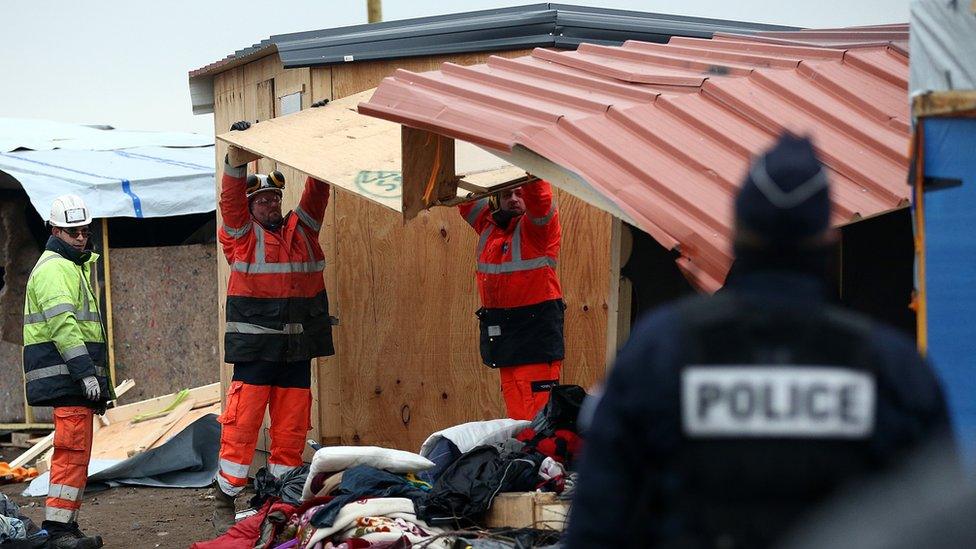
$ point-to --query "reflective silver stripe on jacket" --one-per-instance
(45, 260)
(58, 370)
(546, 218)
(237, 233)
(261, 266)
(247, 328)
(74, 352)
(307, 219)
(86, 312)
(516, 264)
(479, 207)
(308, 245)
(63, 491)
(48, 314)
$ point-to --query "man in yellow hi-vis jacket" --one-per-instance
(64, 362)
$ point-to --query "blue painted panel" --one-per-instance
(950, 273)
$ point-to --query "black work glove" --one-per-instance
(321, 103)
(240, 126)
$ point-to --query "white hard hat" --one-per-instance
(69, 210)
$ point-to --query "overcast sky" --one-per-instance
(125, 62)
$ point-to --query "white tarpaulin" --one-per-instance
(45, 135)
(131, 182)
(943, 46)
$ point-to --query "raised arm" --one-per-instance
(311, 208)
(233, 208)
(475, 213)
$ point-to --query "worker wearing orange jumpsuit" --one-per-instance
(521, 318)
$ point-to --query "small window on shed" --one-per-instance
(290, 103)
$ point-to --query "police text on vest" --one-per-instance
(777, 401)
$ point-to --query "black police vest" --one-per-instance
(729, 489)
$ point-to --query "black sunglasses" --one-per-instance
(75, 232)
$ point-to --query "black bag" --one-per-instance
(562, 410)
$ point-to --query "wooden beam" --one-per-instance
(33, 453)
(374, 10)
(945, 103)
(429, 177)
(25, 426)
(106, 264)
(471, 187)
(482, 192)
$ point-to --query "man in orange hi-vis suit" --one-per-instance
(277, 322)
(521, 318)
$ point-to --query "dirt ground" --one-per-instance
(133, 517)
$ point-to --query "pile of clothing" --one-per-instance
(16, 530)
(356, 497)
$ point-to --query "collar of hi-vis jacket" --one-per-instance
(65, 250)
(516, 263)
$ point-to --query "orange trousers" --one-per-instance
(290, 410)
(69, 466)
(526, 387)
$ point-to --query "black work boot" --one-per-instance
(224, 510)
(69, 536)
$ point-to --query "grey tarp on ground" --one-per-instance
(188, 460)
(942, 44)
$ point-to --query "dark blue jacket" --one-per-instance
(645, 482)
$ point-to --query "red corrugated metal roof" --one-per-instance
(666, 131)
(895, 36)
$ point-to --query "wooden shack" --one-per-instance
(406, 361)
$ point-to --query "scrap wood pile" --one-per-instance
(456, 493)
(127, 430)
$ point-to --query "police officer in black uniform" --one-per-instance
(726, 418)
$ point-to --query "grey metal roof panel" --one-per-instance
(495, 32)
(520, 27)
(514, 27)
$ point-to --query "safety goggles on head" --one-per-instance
(256, 183)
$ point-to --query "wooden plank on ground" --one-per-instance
(528, 510)
(205, 394)
(45, 443)
(177, 427)
(38, 449)
(165, 423)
